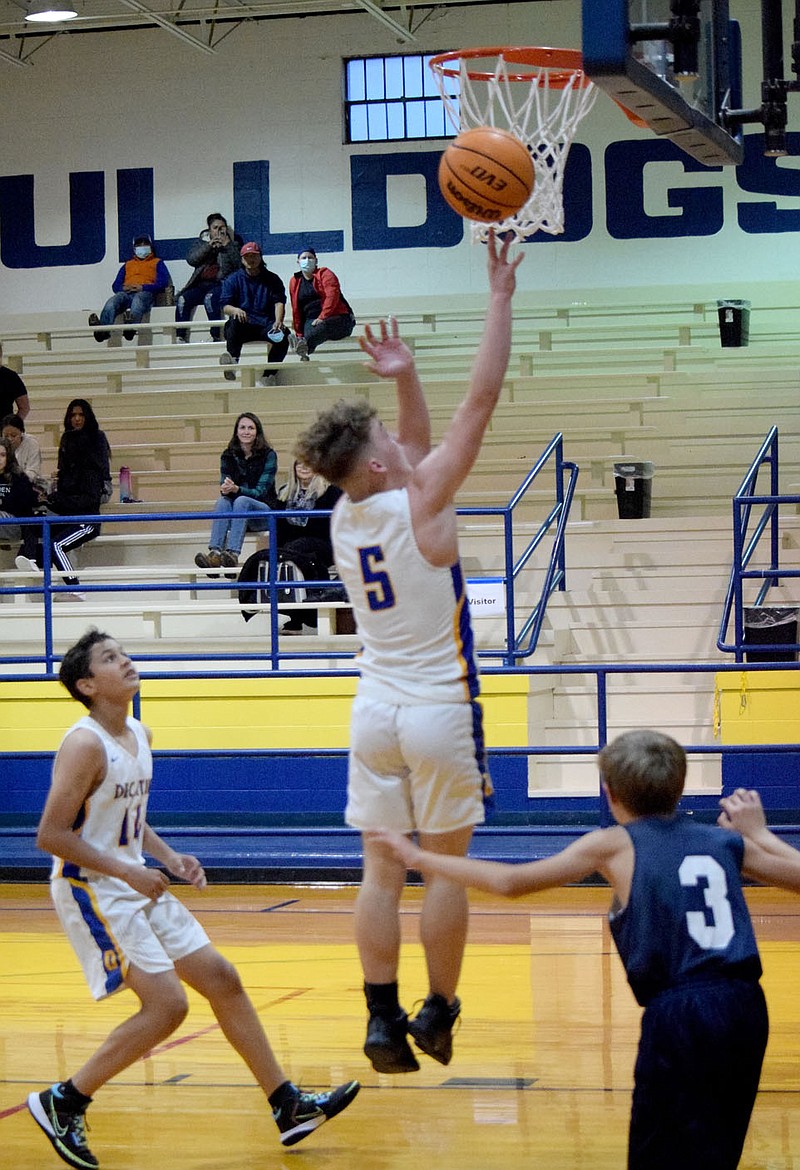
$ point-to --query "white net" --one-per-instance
(540, 95)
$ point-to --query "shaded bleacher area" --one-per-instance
(620, 381)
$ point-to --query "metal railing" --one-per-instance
(515, 645)
(589, 807)
(745, 544)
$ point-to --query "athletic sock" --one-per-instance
(382, 998)
(73, 1098)
(282, 1095)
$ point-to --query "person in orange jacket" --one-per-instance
(134, 288)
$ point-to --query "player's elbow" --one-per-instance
(45, 840)
(510, 883)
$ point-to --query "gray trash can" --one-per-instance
(770, 625)
(734, 323)
(633, 484)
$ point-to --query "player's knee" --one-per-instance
(224, 980)
(173, 1009)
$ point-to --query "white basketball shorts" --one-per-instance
(111, 926)
(416, 767)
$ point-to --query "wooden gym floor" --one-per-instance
(541, 1074)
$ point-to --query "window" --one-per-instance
(392, 98)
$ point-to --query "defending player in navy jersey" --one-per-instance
(416, 747)
(683, 931)
(126, 928)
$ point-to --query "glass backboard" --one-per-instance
(679, 91)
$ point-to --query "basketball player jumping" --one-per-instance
(416, 749)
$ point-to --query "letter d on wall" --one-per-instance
(370, 206)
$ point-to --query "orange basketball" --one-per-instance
(486, 174)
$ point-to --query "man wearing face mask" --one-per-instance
(134, 288)
(319, 310)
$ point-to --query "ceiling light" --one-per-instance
(50, 12)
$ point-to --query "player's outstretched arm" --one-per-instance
(390, 357)
(449, 464)
(766, 857)
(580, 859)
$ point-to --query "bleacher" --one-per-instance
(619, 381)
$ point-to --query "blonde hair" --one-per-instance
(291, 489)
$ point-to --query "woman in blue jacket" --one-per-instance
(247, 487)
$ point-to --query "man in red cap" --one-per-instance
(254, 301)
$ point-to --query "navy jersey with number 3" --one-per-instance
(686, 917)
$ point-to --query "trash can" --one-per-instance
(633, 484)
(770, 625)
(734, 323)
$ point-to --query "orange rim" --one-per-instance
(564, 66)
(629, 114)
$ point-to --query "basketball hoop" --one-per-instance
(540, 95)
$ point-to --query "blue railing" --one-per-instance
(514, 647)
(589, 807)
(745, 544)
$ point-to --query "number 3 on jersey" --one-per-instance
(380, 594)
(714, 935)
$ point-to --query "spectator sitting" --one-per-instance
(306, 540)
(254, 301)
(247, 485)
(214, 256)
(17, 498)
(83, 473)
(13, 392)
(135, 286)
(319, 310)
(26, 450)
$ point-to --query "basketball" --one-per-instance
(486, 174)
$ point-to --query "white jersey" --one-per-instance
(413, 618)
(113, 817)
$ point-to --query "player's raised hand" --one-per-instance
(389, 355)
(742, 811)
(502, 271)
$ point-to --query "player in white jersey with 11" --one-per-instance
(125, 927)
(416, 749)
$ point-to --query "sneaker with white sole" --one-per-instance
(65, 1128)
(301, 349)
(308, 1111)
(27, 565)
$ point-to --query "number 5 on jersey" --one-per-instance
(380, 594)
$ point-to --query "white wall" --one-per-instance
(273, 91)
